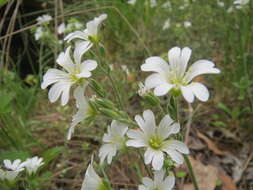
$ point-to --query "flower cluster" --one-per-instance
(12, 169)
(161, 142)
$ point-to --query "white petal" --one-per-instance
(178, 145)
(154, 80)
(201, 67)
(163, 89)
(57, 89)
(107, 150)
(169, 182)
(80, 48)
(81, 101)
(89, 65)
(175, 156)
(53, 76)
(135, 143)
(147, 181)
(65, 94)
(150, 125)
(200, 91)
(159, 176)
(185, 57)
(148, 155)
(165, 128)
(136, 134)
(157, 161)
(156, 64)
(174, 57)
(70, 132)
(187, 93)
(118, 129)
(76, 34)
(65, 60)
(140, 121)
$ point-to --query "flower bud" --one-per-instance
(97, 88)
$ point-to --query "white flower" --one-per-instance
(155, 139)
(131, 2)
(11, 169)
(32, 164)
(174, 75)
(125, 69)
(166, 24)
(43, 19)
(160, 182)
(61, 28)
(92, 181)
(76, 73)
(167, 5)
(86, 38)
(153, 3)
(220, 4)
(143, 90)
(241, 2)
(38, 33)
(187, 24)
(83, 109)
(114, 140)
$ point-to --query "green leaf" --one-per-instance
(3, 2)
(52, 153)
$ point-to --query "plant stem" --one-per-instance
(188, 162)
(191, 172)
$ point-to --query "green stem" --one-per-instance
(188, 162)
(193, 178)
(146, 167)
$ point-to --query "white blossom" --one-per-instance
(160, 182)
(32, 164)
(125, 69)
(43, 19)
(114, 140)
(156, 139)
(166, 24)
(131, 2)
(39, 32)
(240, 3)
(187, 24)
(61, 28)
(167, 5)
(75, 73)
(173, 76)
(143, 90)
(86, 38)
(11, 169)
(153, 3)
(92, 181)
(83, 109)
(220, 3)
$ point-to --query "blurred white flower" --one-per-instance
(43, 19)
(155, 139)
(166, 24)
(240, 3)
(114, 140)
(125, 69)
(174, 75)
(187, 24)
(160, 182)
(11, 170)
(153, 3)
(87, 37)
(92, 181)
(220, 3)
(76, 73)
(32, 164)
(143, 90)
(83, 109)
(131, 2)
(167, 5)
(39, 33)
(61, 28)
(230, 9)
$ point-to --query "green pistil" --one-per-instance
(94, 39)
(155, 142)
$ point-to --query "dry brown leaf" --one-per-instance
(188, 186)
(227, 182)
(211, 145)
(206, 175)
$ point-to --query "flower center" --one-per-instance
(155, 142)
(94, 39)
(73, 76)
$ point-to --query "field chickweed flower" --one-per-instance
(43, 19)
(11, 169)
(187, 24)
(159, 182)
(173, 76)
(89, 36)
(62, 81)
(114, 140)
(84, 109)
(166, 24)
(39, 33)
(61, 28)
(241, 3)
(155, 139)
(32, 164)
(143, 90)
(92, 181)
